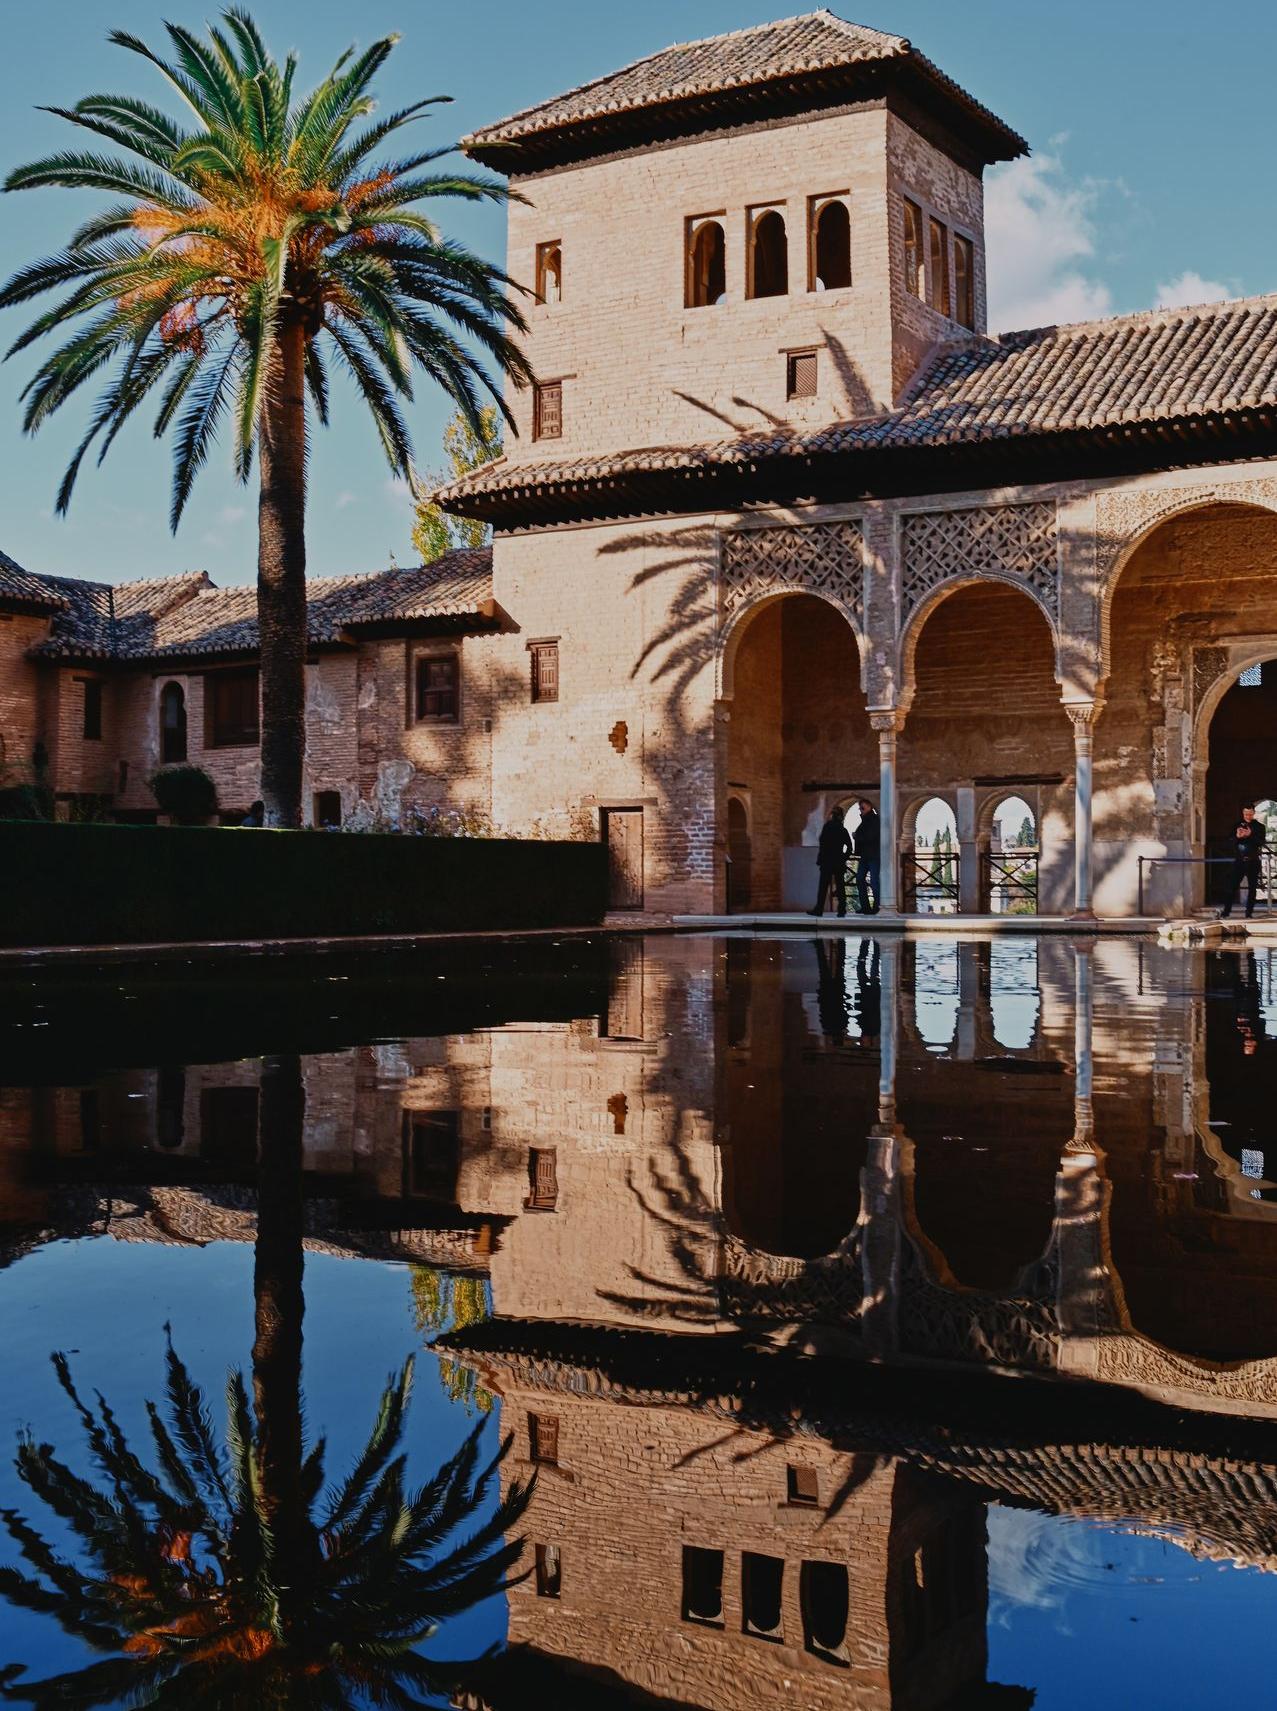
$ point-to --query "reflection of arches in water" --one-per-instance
(936, 992)
(796, 1114)
(1015, 1002)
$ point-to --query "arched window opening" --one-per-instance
(172, 723)
(826, 1605)
(830, 246)
(931, 867)
(936, 994)
(706, 263)
(550, 272)
(768, 254)
(738, 856)
(1011, 862)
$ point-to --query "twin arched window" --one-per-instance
(767, 251)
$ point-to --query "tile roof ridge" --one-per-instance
(900, 45)
(1164, 315)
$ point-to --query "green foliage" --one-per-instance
(258, 213)
(184, 792)
(433, 531)
(1025, 838)
(98, 884)
(26, 802)
(443, 1302)
(190, 1595)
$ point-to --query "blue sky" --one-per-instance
(1150, 121)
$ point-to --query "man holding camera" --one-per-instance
(1249, 835)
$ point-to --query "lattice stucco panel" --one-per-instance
(1001, 540)
(821, 558)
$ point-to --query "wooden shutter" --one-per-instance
(543, 1438)
(545, 671)
(547, 422)
(543, 1179)
(802, 374)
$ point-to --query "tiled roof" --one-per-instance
(764, 54)
(17, 584)
(179, 616)
(1196, 368)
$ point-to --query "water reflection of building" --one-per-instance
(1009, 1154)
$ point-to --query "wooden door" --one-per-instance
(623, 835)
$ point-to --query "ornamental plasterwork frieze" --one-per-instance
(818, 558)
(1123, 515)
(1209, 665)
(1018, 541)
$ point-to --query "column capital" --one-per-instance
(886, 719)
(1083, 714)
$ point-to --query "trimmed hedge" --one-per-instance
(96, 884)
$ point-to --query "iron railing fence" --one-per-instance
(930, 882)
(1010, 881)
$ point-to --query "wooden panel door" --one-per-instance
(623, 835)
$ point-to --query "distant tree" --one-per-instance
(433, 532)
(1026, 837)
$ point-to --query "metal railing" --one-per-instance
(1267, 889)
(1010, 881)
(930, 882)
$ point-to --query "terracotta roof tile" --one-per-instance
(1160, 366)
(797, 47)
(20, 585)
(179, 616)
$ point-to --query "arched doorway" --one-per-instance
(985, 721)
(1193, 601)
(172, 724)
(798, 738)
(739, 856)
(1241, 768)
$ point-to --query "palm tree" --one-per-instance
(245, 251)
(227, 1578)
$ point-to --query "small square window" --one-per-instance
(800, 374)
(549, 1571)
(92, 710)
(545, 671)
(547, 410)
(438, 685)
(802, 1484)
(543, 1439)
(231, 709)
(550, 272)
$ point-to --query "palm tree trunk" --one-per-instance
(281, 578)
(279, 1305)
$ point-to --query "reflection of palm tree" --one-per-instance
(226, 1579)
(444, 1301)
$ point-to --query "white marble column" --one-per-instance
(1082, 715)
(887, 725)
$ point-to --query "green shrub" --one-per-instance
(186, 793)
(112, 884)
(26, 802)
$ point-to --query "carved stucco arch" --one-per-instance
(734, 630)
(915, 623)
(1149, 511)
(1215, 671)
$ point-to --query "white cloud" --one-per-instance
(1189, 289)
(346, 498)
(1040, 238)
(398, 491)
(232, 514)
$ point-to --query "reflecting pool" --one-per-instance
(651, 1322)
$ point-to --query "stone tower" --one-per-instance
(762, 231)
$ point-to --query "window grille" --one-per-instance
(543, 1438)
(543, 1179)
(545, 671)
(547, 410)
(438, 684)
(800, 374)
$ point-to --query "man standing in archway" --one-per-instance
(865, 841)
(1249, 837)
(831, 861)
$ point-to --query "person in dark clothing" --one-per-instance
(866, 842)
(831, 988)
(1249, 835)
(831, 861)
(868, 1001)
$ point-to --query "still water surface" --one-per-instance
(869, 1324)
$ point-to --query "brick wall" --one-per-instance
(20, 724)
